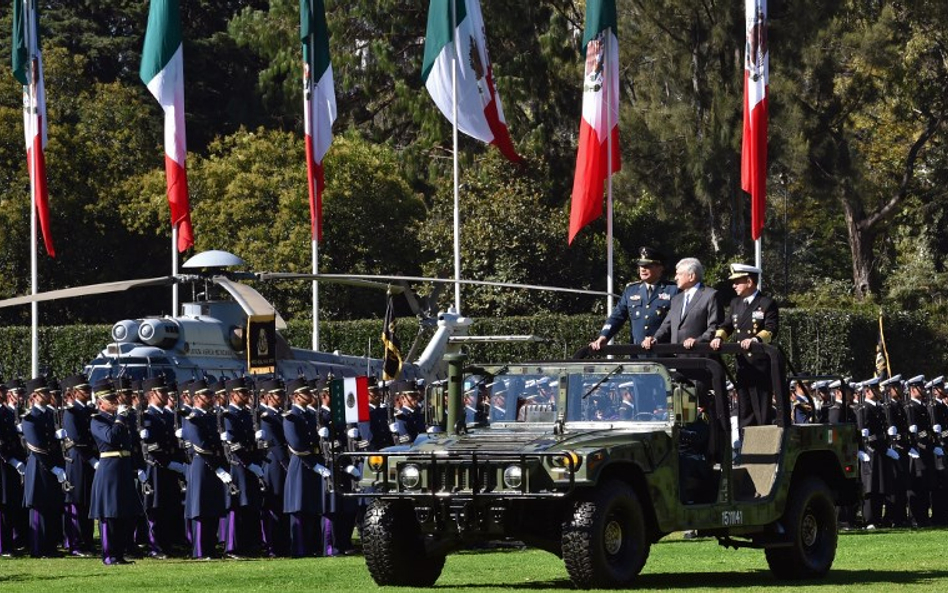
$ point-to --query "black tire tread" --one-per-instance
(394, 550)
(794, 563)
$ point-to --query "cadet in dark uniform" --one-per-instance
(275, 524)
(205, 502)
(13, 530)
(303, 492)
(45, 475)
(378, 421)
(842, 410)
(921, 453)
(939, 414)
(873, 452)
(243, 518)
(644, 304)
(81, 460)
(116, 500)
(164, 500)
(752, 317)
(896, 503)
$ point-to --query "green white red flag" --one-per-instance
(162, 71)
(756, 90)
(600, 116)
(28, 69)
(480, 113)
(319, 103)
(349, 400)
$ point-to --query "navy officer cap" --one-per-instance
(649, 256)
(917, 380)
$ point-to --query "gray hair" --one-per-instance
(692, 266)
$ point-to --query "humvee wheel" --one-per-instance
(394, 549)
(810, 521)
(604, 542)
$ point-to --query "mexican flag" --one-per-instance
(600, 115)
(756, 81)
(480, 114)
(28, 69)
(319, 103)
(162, 70)
(349, 400)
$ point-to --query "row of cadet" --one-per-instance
(229, 469)
(903, 435)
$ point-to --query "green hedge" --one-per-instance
(818, 341)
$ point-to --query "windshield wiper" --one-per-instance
(601, 381)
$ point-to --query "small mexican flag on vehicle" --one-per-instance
(350, 400)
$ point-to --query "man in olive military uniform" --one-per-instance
(921, 453)
(81, 459)
(753, 318)
(644, 304)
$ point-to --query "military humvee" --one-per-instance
(596, 459)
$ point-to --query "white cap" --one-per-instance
(741, 270)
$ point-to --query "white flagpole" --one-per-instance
(758, 261)
(607, 86)
(315, 296)
(28, 21)
(174, 269)
(457, 196)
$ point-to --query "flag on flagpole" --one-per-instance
(480, 114)
(756, 89)
(319, 103)
(600, 115)
(28, 69)
(392, 359)
(162, 71)
(883, 371)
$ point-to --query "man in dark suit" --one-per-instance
(753, 318)
(644, 304)
(695, 313)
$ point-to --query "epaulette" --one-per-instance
(633, 283)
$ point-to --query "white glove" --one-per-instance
(937, 428)
(226, 436)
(177, 466)
(142, 476)
(893, 454)
(260, 435)
(19, 466)
(862, 456)
(322, 470)
(144, 434)
(892, 431)
(939, 452)
(865, 433)
(223, 476)
(61, 434)
(179, 433)
(913, 453)
(353, 471)
(353, 433)
(95, 464)
(323, 433)
(122, 410)
(60, 474)
(393, 427)
(913, 429)
(255, 470)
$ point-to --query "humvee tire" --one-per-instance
(393, 547)
(810, 521)
(604, 540)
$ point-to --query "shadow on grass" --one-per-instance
(31, 576)
(753, 581)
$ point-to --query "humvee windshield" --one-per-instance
(636, 392)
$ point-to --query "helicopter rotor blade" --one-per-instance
(334, 279)
(79, 291)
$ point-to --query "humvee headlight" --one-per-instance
(376, 462)
(410, 477)
(568, 460)
(513, 476)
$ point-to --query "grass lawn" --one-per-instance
(865, 561)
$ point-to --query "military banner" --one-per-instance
(261, 343)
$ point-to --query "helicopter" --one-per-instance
(224, 331)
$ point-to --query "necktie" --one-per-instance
(687, 302)
(648, 291)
